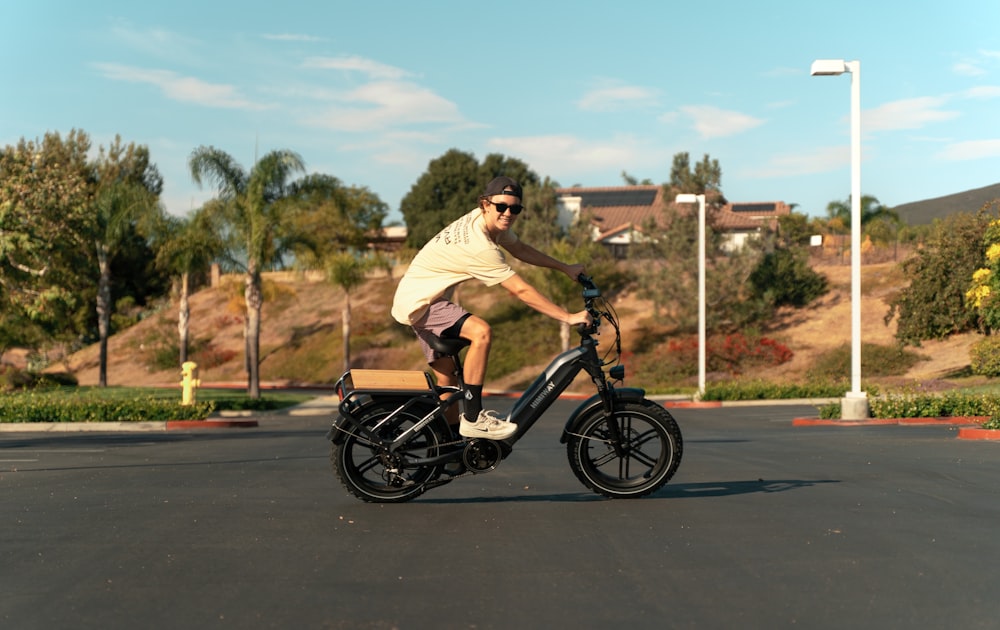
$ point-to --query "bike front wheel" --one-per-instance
(646, 458)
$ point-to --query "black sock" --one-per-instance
(475, 404)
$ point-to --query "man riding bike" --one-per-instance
(470, 247)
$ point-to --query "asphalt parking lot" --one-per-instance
(765, 525)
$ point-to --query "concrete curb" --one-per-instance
(948, 421)
(122, 427)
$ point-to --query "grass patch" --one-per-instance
(764, 390)
(131, 404)
(876, 360)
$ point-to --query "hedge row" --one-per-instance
(948, 404)
(32, 408)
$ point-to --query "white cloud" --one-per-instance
(369, 67)
(616, 98)
(967, 69)
(713, 122)
(983, 91)
(971, 150)
(571, 157)
(819, 160)
(180, 88)
(387, 104)
(909, 113)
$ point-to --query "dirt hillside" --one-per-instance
(301, 308)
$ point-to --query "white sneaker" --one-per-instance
(488, 425)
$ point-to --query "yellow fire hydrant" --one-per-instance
(189, 382)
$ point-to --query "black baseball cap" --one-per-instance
(503, 185)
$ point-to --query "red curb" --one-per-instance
(974, 433)
(950, 420)
(209, 424)
(690, 404)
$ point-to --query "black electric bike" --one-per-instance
(392, 441)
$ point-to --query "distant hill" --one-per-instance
(924, 212)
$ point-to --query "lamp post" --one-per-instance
(690, 198)
(854, 405)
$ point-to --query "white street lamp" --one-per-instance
(689, 198)
(855, 404)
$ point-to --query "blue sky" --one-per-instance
(370, 91)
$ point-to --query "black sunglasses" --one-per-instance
(515, 208)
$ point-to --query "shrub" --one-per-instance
(12, 379)
(764, 390)
(876, 360)
(950, 404)
(786, 279)
(35, 408)
(985, 357)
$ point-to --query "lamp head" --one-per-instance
(828, 67)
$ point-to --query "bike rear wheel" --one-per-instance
(646, 460)
(373, 474)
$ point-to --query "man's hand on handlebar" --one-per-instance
(583, 318)
(574, 271)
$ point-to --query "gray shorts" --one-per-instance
(440, 316)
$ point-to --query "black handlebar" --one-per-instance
(590, 293)
(590, 290)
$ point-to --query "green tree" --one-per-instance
(448, 189)
(871, 210)
(705, 177)
(127, 190)
(347, 271)
(783, 277)
(666, 265)
(983, 294)
(45, 187)
(451, 187)
(185, 246)
(250, 209)
(331, 217)
(634, 181)
(933, 305)
(539, 223)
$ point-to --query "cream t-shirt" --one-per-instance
(461, 251)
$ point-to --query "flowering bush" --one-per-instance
(984, 357)
(731, 353)
(982, 296)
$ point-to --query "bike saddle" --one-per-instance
(447, 346)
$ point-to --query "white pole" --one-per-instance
(854, 405)
(701, 296)
(700, 199)
(855, 69)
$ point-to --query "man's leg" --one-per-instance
(479, 333)
(444, 374)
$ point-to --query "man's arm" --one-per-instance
(530, 296)
(526, 253)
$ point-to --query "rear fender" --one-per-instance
(623, 394)
(352, 412)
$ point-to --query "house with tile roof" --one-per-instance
(617, 214)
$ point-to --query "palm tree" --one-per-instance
(118, 206)
(185, 245)
(347, 271)
(871, 209)
(248, 206)
(126, 191)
